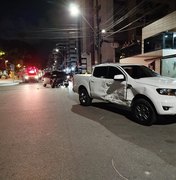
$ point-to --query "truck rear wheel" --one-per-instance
(144, 112)
(53, 85)
(66, 85)
(84, 98)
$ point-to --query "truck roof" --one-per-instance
(117, 64)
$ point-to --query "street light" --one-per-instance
(2, 53)
(74, 9)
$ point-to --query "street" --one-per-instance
(46, 134)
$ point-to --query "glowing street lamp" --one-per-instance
(2, 53)
(57, 50)
(103, 31)
(74, 9)
(18, 65)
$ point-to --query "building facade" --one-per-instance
(114, 31)
(158, 46)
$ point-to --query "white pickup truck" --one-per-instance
(137, 87)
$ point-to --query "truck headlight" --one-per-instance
(165, 91)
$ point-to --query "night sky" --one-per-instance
(20, 16)
(39, 23)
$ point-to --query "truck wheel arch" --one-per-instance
(143, 110)
(141, 96)
(84, 97)
(82, 87)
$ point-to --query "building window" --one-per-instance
(165, 40)
(153, 43)
(174, 39)
(168, 40)
(169, 67)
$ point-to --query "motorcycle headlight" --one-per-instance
(165, 91)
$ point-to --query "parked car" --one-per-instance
(145, 92)
(55, 79)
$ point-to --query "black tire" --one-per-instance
(52, 84)
(44, 85)
(144, 112)
(84, 98)
(66, 85)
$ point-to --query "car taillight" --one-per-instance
(26, 77)
(36, 77)
(32, 71)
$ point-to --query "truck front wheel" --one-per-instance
(84, 98)
(144, 112)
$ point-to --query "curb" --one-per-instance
(9, 84)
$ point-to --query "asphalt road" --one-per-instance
(45, 134)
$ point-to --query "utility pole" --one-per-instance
(98, 33)
(79, 41)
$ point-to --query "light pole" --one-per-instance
(98, 33)
(75, 11)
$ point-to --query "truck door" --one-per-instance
(115, 89)
(97, 82)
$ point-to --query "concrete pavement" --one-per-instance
(9, 82)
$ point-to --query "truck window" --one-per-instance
(112, 71)
(100, 72)
(137, 72)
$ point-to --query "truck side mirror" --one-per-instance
(119, 77)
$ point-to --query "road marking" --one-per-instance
(113, 165)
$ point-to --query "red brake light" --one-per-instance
(31, 70)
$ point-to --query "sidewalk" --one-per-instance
(9, 82)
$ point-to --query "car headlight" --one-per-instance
(26, 77)
(168, 92)
(36, 77)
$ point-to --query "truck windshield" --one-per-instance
(137, 72)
